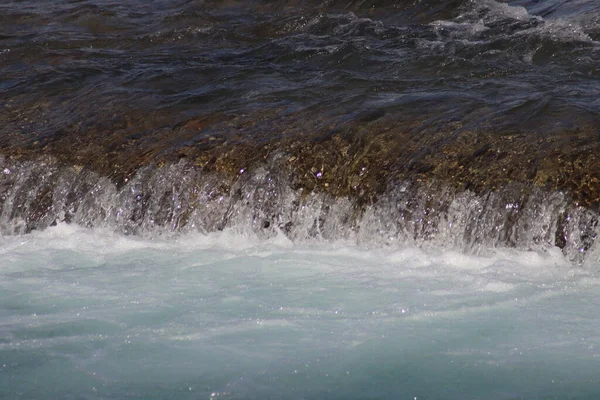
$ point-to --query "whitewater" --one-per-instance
(92, 314)
(339, 199)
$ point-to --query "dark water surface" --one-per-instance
(345, 98)
(519, 64)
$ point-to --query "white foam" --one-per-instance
(460, 29)
(252, 309)
(559, 30)
(497, 11)
(470, 24)
(104, 241)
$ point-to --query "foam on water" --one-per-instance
(93, 314)
(485, 14)
(424, 278)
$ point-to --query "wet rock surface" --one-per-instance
(358, 157)
(373, 178)
(464, 122)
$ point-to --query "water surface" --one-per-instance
(94, 315)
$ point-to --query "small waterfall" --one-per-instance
(179, 197)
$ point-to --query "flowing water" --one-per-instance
(448, 60)
(95, 315)
(337, 199)
(181, 115)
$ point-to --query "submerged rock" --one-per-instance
(375, 180)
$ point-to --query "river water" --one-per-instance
(299, 199)
(526, 60)
(95, 315)
(176, 102)
(522, 63)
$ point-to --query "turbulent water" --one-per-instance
(464, 122)
(299, 199)
(94, 315)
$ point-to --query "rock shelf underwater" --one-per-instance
(468, 124)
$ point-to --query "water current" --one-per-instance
(166, 115)
(96, 315)
(293, 199)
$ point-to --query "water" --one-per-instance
(100, 63)
(142, 115)
(299, 199)
(95, 315)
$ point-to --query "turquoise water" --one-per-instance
(95, 315)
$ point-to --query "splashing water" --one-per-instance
(299, 200)
(91, 314)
